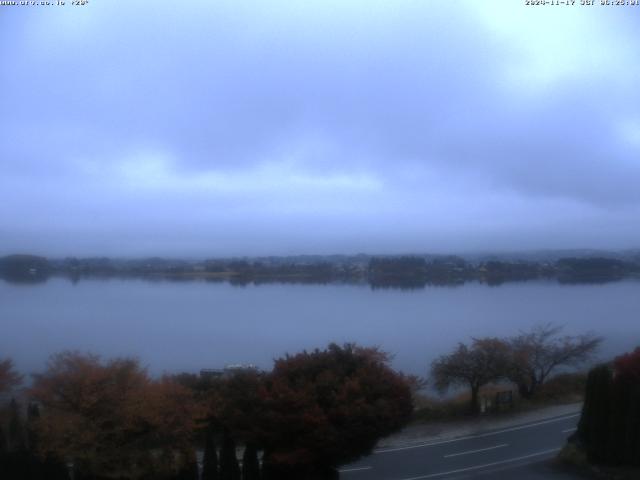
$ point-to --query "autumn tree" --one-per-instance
(17, 440)
(537, 353)
(105, 417)
(9, 378)
(328, 407)
(484, 361)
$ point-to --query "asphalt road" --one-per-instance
(521, 452)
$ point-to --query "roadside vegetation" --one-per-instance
(111, 420)
(314, 411)
(490, 369)
(562, 389)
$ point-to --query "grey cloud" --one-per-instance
(417, 101)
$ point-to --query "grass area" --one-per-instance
(572, 458)
(561, 389)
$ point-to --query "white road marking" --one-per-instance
(476, 451)
(477, 467)
(570, 430)
(481, 435)
(355, 469)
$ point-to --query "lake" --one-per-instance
(189, 325)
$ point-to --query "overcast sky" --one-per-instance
(238, 128)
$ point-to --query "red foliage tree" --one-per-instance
(627, 366)
(328, 407)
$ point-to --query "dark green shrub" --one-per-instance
(229, 468)
(210, 459)
(250, 464)
(609, 428)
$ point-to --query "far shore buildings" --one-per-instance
(227, 371)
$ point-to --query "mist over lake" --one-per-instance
(185, 326)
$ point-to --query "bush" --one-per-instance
(430, 409)
(328, 407)
(572, 455)
(564, 387)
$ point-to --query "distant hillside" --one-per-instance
(380, 271)
(24, 267)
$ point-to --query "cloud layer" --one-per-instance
(224, 128)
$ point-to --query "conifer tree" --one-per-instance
(633, 451)
(210, 459)
(250, 464)
(54, 469)
(147, 465)
(16, 430)
(613, 449)
(631, 433)
(229, 468)
(627, 409)
(3, 442)
(188, 466)
(33, 414)
(610, 424)
(593, 428)
(166, 463)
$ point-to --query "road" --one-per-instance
(521, 452)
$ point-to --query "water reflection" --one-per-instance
(184, 324)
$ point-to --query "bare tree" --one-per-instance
(485, 361)
(537, 353)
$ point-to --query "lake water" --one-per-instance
(186, 326)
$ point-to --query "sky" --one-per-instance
(215, 128)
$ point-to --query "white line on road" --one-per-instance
(355, 469)
(478, 467)
(569, 430)
(481, 435)
(476, 451)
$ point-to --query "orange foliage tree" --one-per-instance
(110, 418)
(9, 378)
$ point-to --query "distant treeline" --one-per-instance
(377, 271)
